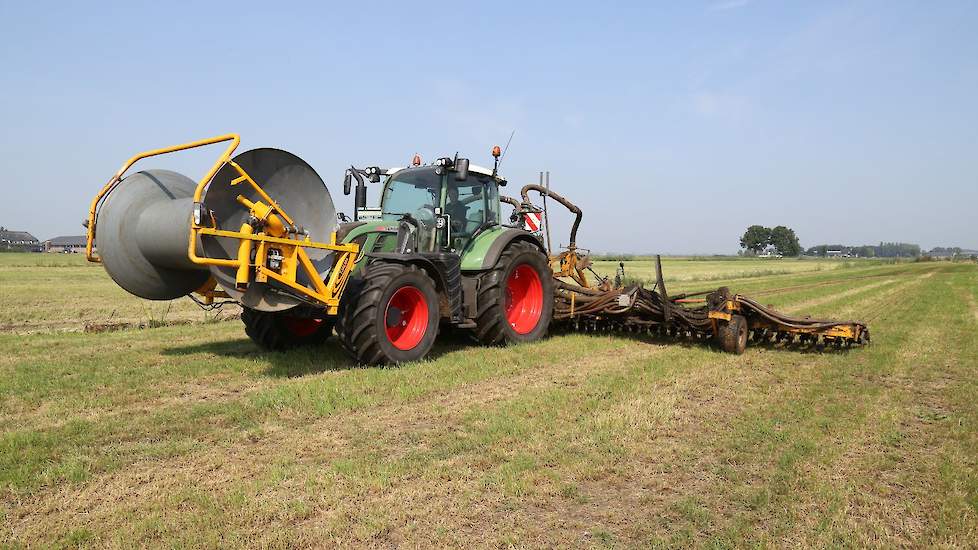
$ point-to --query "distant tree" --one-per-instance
(756, 238)
(785, 241)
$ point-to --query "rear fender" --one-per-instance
(485, 249)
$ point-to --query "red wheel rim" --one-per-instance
(406, 318)
(524, 299)
(302, 326)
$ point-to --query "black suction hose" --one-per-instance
(566, 203)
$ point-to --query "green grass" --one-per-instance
(681, 272)
(188, 435)
(49, 292)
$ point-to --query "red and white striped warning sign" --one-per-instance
(532, 221)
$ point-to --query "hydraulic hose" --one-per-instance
(559, 198)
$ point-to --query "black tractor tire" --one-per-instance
(279, 331)
(388, 314)
(497, 322)
(733, 335)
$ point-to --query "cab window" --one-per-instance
(471, 204)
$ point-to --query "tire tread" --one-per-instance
(359, 310)
(491, 323)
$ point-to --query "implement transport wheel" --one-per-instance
(389, 314)
(516, 298)
(281, 330)
(733, 335)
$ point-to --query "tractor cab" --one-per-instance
(443, 211)
(439, 208)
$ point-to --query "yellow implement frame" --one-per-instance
(849, 331)
(274, 230)
(571, 265)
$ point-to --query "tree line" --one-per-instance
(883, 250)
(951, 251)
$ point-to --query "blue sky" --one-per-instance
(674, 125)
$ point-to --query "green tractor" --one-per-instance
(434, 253)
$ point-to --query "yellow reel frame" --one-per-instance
(273, 232)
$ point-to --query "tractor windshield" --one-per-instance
(414, 192)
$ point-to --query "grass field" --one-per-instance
(56, 292)
(34, 288)
(188, 435)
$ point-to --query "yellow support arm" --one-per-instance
(235, 140)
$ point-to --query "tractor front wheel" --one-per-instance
(516, 298)
(389, 314)
(284, 330)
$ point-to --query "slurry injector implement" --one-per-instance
(260, 229)
(729, 319)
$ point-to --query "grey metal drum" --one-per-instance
(143, 232)
(298, 189)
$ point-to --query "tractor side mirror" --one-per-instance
(347, 183)
(360, 197)
(461, 169)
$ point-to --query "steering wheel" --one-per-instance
(425, 215)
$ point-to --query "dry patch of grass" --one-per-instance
(807, 305)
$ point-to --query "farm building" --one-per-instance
(72, 243)
(18, 240)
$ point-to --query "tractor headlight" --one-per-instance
(198, 213)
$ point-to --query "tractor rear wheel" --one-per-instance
(516, 298)
(389, 314)
(733, 335)
(281, 330)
